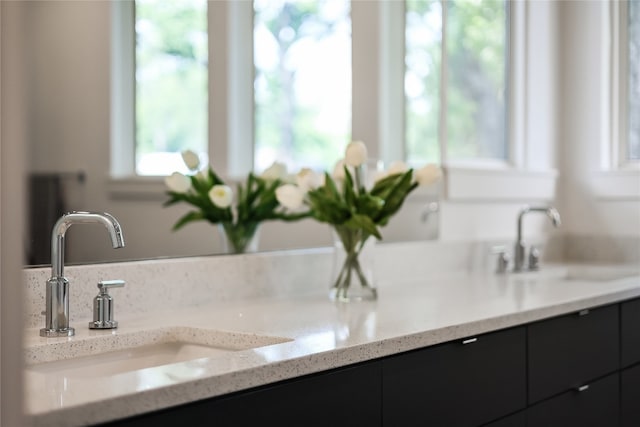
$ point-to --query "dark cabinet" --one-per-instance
(569, 351)
(569, 365)
(463, 383)
(518, 419)
(345, 397)
(630, 332)
(630, 397)
(595, 404)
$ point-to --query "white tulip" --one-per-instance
(307, 179)
(338, 171)
(276, 171)
(221, 196)
(290, 196)
(427, 175)
(191, 159)
(178, 182)
(397, 167)
(355, 154)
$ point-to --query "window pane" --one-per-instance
(302, 55)
(476, 58)
(634, 80)
(423, 38)
(171, 83)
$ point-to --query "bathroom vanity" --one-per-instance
(582, 368)
(556, 347)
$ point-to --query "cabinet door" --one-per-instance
(518, 419)
(456, 384)
(630, 397)
(596, 406)
(630, 327)
(568, 351)
(346, 397)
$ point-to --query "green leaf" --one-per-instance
(363, 222)
(349, 194)
(189, 217)
(396, 197)
(327, 209)
(214, 179)
(385, 186)
(369, 205)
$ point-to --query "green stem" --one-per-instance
(239, 236)
(353, 242)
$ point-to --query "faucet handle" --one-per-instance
(503, 259)
(534, 258)
(103, 305)
(104, 285)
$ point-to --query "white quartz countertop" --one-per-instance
(311, 332)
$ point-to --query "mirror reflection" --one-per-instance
(79, 107)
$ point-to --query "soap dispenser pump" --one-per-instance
(103, 306)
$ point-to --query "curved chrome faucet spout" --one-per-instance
(553, 215)
(67, 220)
(57, 298)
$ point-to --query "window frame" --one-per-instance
(520, 176)
(619, 89)
(377, 97)
(618, 177)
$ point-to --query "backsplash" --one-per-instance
(161, 284)
(601, 249)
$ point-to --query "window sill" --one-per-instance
(504, 184)
(621, 184)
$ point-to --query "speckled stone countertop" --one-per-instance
(298, 335)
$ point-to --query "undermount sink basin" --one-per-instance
(587, 273)
(107, 355)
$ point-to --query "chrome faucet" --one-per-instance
(519, 255)
(57, 298)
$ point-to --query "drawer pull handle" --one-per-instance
(583, 388)
(583, 312)
(470, 340)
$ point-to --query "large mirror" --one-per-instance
(67, 70)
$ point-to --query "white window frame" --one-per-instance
(519, 177)
(377, 97)
(618, 177)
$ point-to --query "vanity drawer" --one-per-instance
(343, 397)
(595, 406)
(630, 397)
(569, 351)
(630, 332)
(457, 383)
(519, 419)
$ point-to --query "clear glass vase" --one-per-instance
(353, 274)
(239, 238)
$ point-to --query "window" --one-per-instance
(623, 141)
(248, 83)
(170, 83)
(302, 90)
(466, 110)
(633, 79)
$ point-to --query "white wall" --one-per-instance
(12, 141)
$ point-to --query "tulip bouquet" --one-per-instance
(355, 209)
(255, 200)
